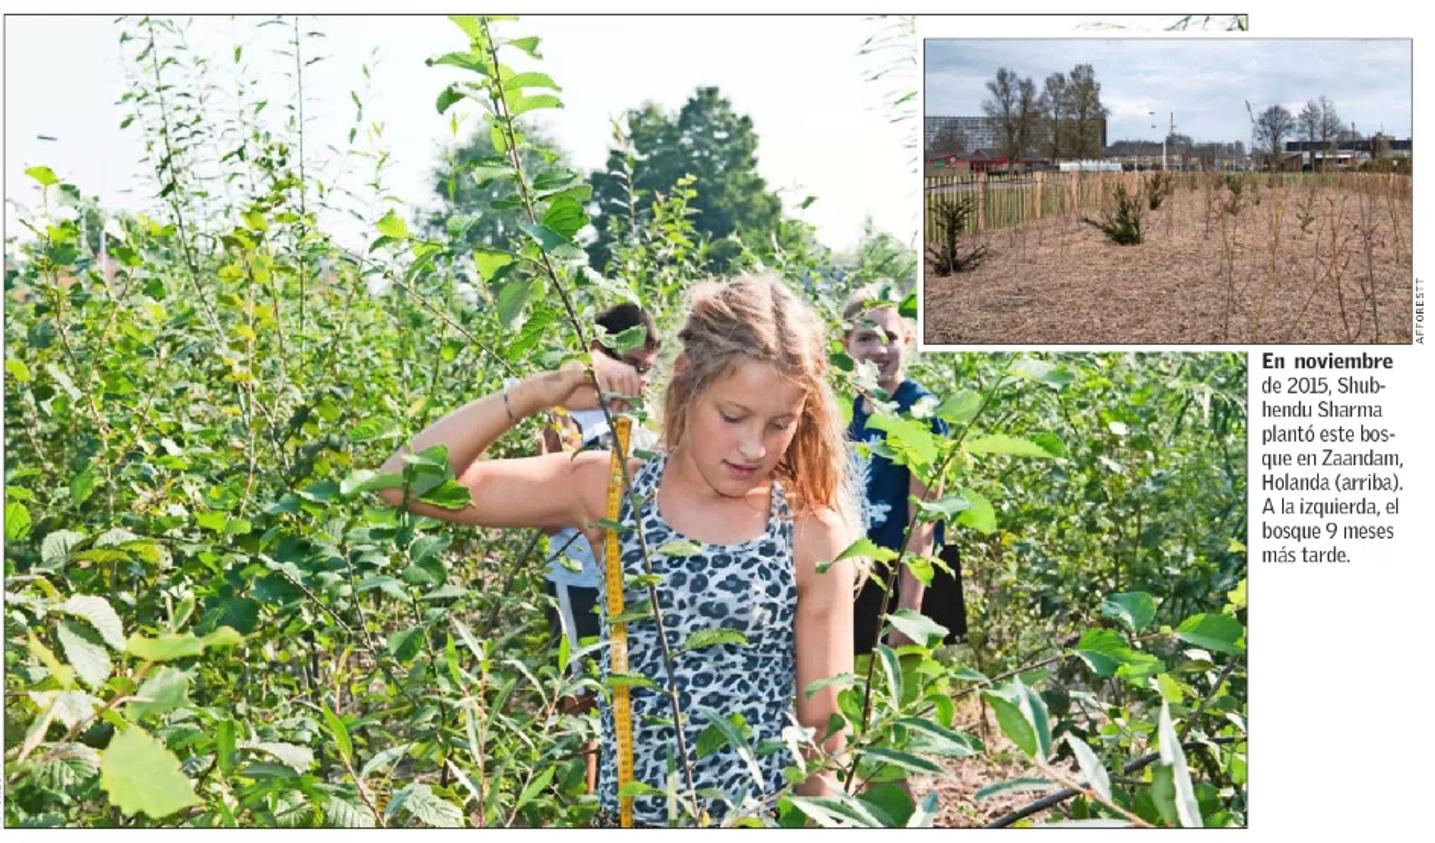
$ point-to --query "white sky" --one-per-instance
(820, 128)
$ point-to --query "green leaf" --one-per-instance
(979, 514)
(447, 97)
(700, 639)
(44, 175)
(85, 653)
(82, 485)
(1022, 716)
(530, 80)
(680, 548)
(1024, 784)
(1218, 632)
(17, 521)
(862, 547)
(1000, 443)
(905, 760)
(163, 692)
(295, 757)
(392, 225)
(142, 776)
(1092, 769)
(916, 626)
(339, 732)
(1104, 650)
(913, 441)
(636, 788)
(1054, 375)
(512, 298)
(926, 812)
(17, 369)
(564, 217)
(629, 339)
(405, 643)
(735, 740)
(960, 407)
(892, 670)
(450, 494)
(180, 645)
(100, 614)
(547, 239)
(936, 739)
(55, 550)
(534, 787)
(61, 673)
(1051, 443)
(523, 105)
(528, 44)
(428, 807)
(342, 813)
(839, 811)
(944, 509)
(1133, 609)
(254, 221)
(1173, 756)
(490, 261)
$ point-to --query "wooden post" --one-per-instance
(1040, 175)
(981, 200)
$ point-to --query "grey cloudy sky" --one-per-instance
(1205, 82)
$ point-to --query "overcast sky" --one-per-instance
(821, 127)
(1205, 82)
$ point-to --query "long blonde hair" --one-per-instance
(758, 318)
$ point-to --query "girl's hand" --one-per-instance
(575, 389)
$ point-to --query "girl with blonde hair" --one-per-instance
(753, 473)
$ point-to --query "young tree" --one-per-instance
(1054, 98)
(713, 143)
(1271, 129)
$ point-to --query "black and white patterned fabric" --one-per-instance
(749, 587)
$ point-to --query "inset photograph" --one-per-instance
(1115, 191)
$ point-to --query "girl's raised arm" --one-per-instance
(823, 628)
(549, 491)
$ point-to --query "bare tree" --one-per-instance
(1054, 110)
(1028, 118)
(1330, 127)
(1310, 126)
(1271, 129)
(1003, 106)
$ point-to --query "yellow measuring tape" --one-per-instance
(618, 633)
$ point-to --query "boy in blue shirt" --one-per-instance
(881, 336)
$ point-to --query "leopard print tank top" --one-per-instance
(751, 588)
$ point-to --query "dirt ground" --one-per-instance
(1345, 278)
(958, 807)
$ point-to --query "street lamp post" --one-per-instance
(1169, 132)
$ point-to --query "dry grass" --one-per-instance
(1343, 277)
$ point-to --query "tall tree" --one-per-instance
(1086, 110)
(1309, 121)
(1330, 127)
(478, 211)
(708, 140)
(1028, 118)
(1002, 107)
(1054, 99)
(1271, 128)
